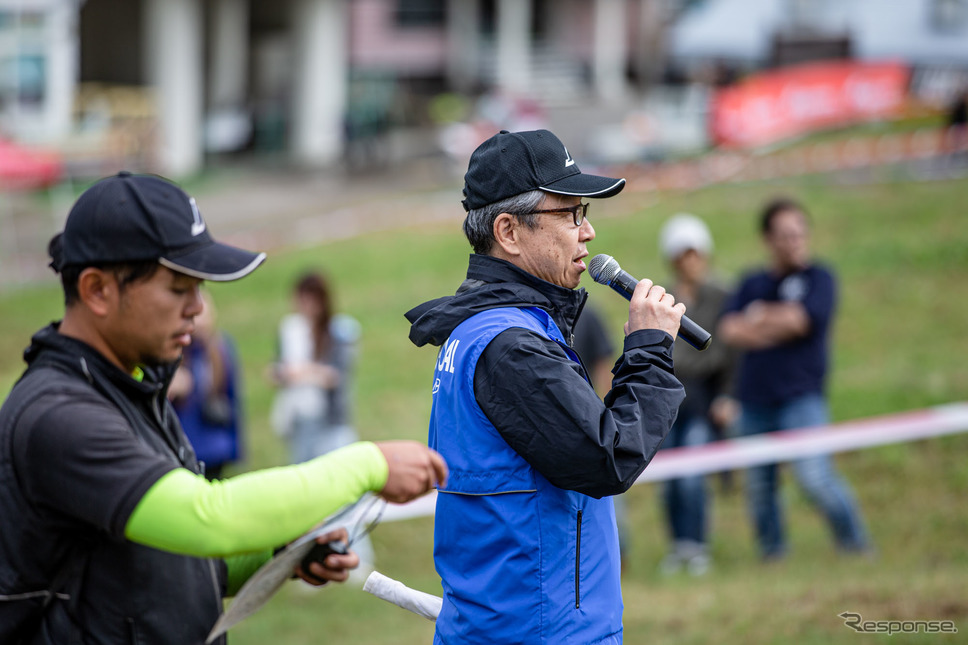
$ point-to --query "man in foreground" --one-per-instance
(110, 533)
(525, 539)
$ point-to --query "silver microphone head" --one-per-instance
(603, 268)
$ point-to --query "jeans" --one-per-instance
(685, 498)
(815, 475)
(312, 437)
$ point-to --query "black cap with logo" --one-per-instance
(511, 163)
(131, 218)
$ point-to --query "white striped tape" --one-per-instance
(775, 447)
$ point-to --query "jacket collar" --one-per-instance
(491, 283)
(490, 269)
(50, 346)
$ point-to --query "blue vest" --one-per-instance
(520, 560)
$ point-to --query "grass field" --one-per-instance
(901, 252)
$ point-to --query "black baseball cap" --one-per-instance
(511, 163)
(132, 218)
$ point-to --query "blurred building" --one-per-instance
(38, 50)
(183, 77)
(159, 84)
(728, 37)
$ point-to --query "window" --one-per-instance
(420, 13)
(23, 60)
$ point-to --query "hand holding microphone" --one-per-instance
(604, 269)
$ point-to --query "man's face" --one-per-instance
(788, 241)
(153, 319)
(554, 250)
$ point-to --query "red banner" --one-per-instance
(782, 103)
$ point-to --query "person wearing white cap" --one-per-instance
(686, 244)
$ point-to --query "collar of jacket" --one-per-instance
(491, 283)
(50, 346)
(567, 303)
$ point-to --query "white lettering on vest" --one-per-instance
(446, 361)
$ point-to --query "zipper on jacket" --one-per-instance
(217, 588)
(132, 631)
(577, 564)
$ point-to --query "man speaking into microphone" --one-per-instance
(525, 540)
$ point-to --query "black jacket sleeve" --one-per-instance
(541, 403)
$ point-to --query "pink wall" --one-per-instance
(377, 41)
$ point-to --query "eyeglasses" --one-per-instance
(578, 212)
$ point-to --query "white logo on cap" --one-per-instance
(198, 226)
(568, 160)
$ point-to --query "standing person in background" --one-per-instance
(954, 135)
(781, 317)
(205, 394)
(595, 347)
(317, 354)
(709, 408)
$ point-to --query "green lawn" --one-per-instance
(901, 252)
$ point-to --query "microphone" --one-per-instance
(604, 269)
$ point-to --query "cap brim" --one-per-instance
(215, 262)
(582, 185)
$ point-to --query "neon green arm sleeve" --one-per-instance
(241, 567)
(184, 513)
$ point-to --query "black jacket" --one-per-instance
(569, 435)
(80, 444)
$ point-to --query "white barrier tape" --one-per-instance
(787, 445)
(790, 445)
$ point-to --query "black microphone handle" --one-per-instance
(689, 331)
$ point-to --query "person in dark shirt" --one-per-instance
(781, 317)
(110, 533)
(594, 345)
(955, 132)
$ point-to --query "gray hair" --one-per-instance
(479, 223)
